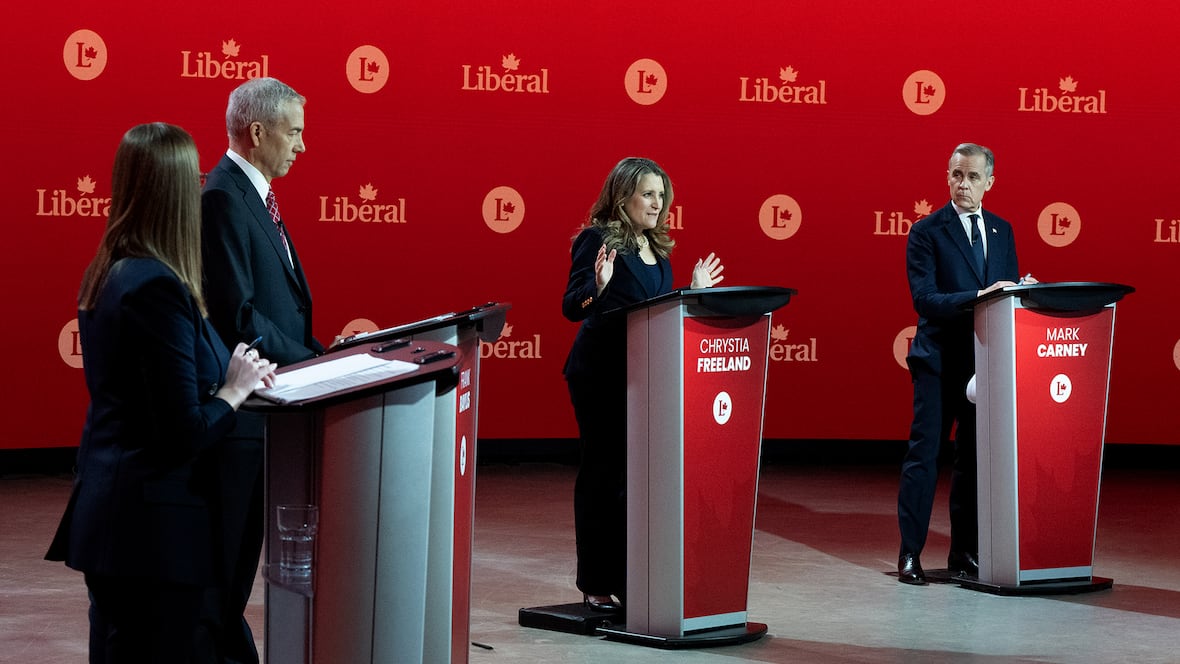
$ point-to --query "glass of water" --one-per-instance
(297, 530)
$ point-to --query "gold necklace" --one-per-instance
(641, 240)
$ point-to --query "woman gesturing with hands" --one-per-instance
(620, 256)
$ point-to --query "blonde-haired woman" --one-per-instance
(620, 256)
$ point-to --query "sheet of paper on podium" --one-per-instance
(324, 378)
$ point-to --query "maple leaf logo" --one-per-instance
(779, 333)
(507, 331)
(922, 208)
(928, 90)
(368, 193)
(1067, 84)
(788, 74)
(652, 79)
(373, 67)
(784, 215)
(509, 207)
(91, 52)
(230, 48)
(85, 185)
(510, 62)
(1063, 222)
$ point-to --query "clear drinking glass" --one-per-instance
(297, 530)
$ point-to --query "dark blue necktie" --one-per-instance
(977, 243)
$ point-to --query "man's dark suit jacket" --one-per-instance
(251, 287)
(943, 278)
(253, 291)
(140, 502)
(600, 348)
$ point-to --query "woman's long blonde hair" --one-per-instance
(607, 213)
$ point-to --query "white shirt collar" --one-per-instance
(963, 213)
(965, 218)
(256, 177)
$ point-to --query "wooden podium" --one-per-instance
(1042, 358)
(697, 363)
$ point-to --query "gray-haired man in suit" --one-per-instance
(953, 256)
(256, 288)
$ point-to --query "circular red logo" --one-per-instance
(503, 209)
(923, 92)
(901, 345)
(85, 55)
(780, 217)
(646, 81)
(1059, 224)
(367, 69)
(69, 345)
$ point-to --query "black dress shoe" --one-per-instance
(596, 603)
(909, 570)
(961, 563)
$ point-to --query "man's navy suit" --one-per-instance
(252, 290)
(943, 279)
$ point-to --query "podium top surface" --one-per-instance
(724, 300)
(358, 372)
(1061, 296)
(488, 320)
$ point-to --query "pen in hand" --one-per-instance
(267, 380)
(1025, 278)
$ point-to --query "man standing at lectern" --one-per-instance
(953, 256)
(256, 289)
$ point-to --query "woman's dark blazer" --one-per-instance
(140, 503)
(600, 347)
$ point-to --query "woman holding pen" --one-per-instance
(163, 390)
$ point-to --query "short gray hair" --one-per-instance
(972, 150)
(257, 100)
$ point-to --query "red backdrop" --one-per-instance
(802, 138)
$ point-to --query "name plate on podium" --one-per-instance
(1042, 357)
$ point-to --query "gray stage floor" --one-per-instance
(824, 548)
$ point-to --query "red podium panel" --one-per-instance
(696, 382)
(724, 388)
(1042, 355)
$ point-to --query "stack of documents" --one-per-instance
(324, 378)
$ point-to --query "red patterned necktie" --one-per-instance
(272, 206)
